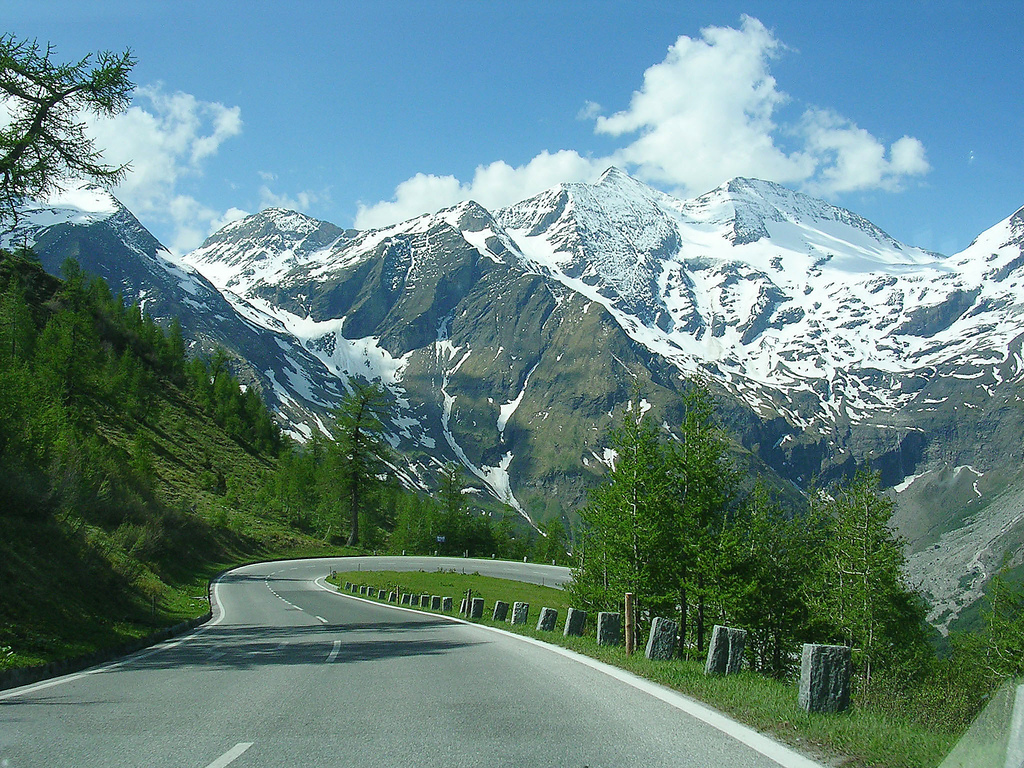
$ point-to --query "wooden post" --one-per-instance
(629, 623)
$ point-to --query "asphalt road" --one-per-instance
(289, 673)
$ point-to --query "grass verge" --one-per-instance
(854, 739)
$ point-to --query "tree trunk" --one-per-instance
(700, 613)
(353, 536)
(683, 608)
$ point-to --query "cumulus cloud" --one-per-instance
(705, 114)
(493, 186)
(850, 159)
(708, 112)
(301, 201)
(166, 137)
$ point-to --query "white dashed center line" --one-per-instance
(229, 757)
(334, 651)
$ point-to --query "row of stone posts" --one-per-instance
(473, 607)
(825, 670)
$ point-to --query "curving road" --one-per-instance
(290, 673)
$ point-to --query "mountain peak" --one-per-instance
(615, 175)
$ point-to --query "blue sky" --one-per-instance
(909, 113)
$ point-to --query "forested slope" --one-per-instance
(129, 473)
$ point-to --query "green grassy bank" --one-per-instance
(859, 737)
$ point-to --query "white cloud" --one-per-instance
(707, 113)
(166, 137)
(302, 201)
(493, 186)
(589, 111)
(231, 214)
(851, 159)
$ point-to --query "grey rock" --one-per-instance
(609, 628)
(825, 674)
(661, 644)
(500, 611)
(548, 619)
(725, 654)
(520, 613)
(574, 621)
(476, 608)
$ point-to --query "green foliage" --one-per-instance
(113, 471)
(658, 526)
(240, 412)
(1004, 628)
(862, 600)
(628, 533)
(552, 545)
(359, 452)
(776, 552)
(45, 141)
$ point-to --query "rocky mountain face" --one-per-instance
(514, 338)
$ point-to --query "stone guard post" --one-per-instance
(825, 673)
(520, 613)
(609, 628)
(500, 611)
(574, 621)
(548, 619)
(725, 654)
(661, 643)
(476, 608)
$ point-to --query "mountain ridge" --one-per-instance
(511, 337)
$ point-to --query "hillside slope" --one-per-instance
(120, 493)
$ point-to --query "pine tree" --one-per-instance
(45, 141)
(863, 597)
(17, 329)
(626, 542)
(703, 487)
(359, 445)
(778, 556)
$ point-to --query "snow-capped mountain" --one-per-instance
(514, 338)
(89, 224)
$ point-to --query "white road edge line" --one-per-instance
(334, 651)
(765, 745)
(231, 755)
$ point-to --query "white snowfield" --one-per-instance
(770, 291)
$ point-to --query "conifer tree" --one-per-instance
(626, 535)
(17, 329)
(45, 142)
(359, 445)
(703, 483)
(863, 597)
